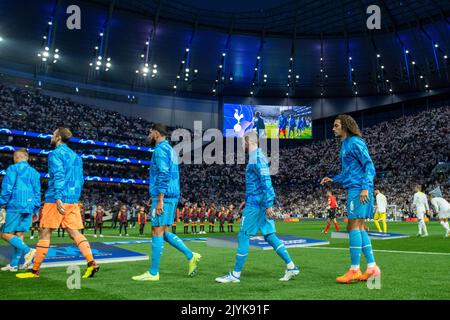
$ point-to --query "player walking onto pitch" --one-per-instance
(357, 177)
(258, 213)
(331, 208)
(259, 124)
(420, 205)
(291, 126)
(165, 192)
(21, 194)
(380, 213)
(61, 207)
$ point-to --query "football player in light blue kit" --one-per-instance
(258, 213)
(165, 193)
(357, 175)
(21, 194)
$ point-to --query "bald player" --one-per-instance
(21, 195)
(258, 213)
(61, 206)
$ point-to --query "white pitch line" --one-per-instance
(390, 251)
(315, 247)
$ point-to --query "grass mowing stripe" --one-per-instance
(390, 251)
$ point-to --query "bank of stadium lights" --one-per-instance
(185, 72)
(99, 63)
(47, 55)
(1, 39)
(146, 68)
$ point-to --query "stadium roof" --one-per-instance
(325, 39)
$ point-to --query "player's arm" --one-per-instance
(37, 192)
(163, 177)
(426, 204)
(263, 172)
(415, 200)
(361, 152)
(57, 166)
(7, 186)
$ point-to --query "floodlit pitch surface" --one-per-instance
(412, 268)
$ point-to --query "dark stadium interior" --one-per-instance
(389, 80)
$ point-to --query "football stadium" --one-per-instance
(224, 150)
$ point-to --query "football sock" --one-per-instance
(327, 227)
(355, 248)
(424, 227)
(336, 226)
(367, 248)
(18, 243)
(157, 249)
(84, 247)
(242, 251)
(41, 250)
(279, 247)
(17, 254)
(384, 225)
(178, 244)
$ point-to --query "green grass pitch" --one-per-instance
(412, 268)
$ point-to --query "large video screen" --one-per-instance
(284, 122)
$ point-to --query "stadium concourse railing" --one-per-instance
(90, 157)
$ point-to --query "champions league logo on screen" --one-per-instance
(7, 148)
(84, 141)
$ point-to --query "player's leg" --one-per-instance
(421, 224)
(157, 249)
(336, 225)
(355, 244)
(376, 219)
(176, 242)
(33, 227)
(383, 222)
(249, 227)
(72, 222)
(85, 249)
(14, 261)
(365, 212)
(444, 224)
(327, 226)
(41, 249)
